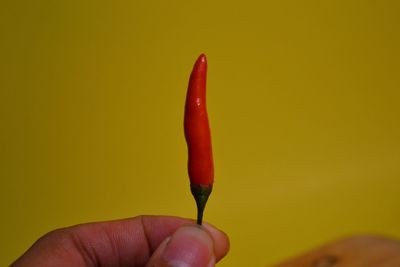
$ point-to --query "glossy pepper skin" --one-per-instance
(198, 137)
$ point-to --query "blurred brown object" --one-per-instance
(358, 251)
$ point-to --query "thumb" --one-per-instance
(189, 246)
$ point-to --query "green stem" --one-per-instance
(201, 194)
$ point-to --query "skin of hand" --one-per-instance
(143, 241)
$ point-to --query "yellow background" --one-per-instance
(303, 99)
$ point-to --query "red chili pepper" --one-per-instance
(198, 137)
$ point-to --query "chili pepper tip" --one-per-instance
(202, 57)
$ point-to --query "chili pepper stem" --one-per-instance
(201, 194)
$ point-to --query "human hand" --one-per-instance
(144, 241)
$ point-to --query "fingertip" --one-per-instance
(221, 240)
(190, 245)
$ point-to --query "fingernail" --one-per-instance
(189, 246)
